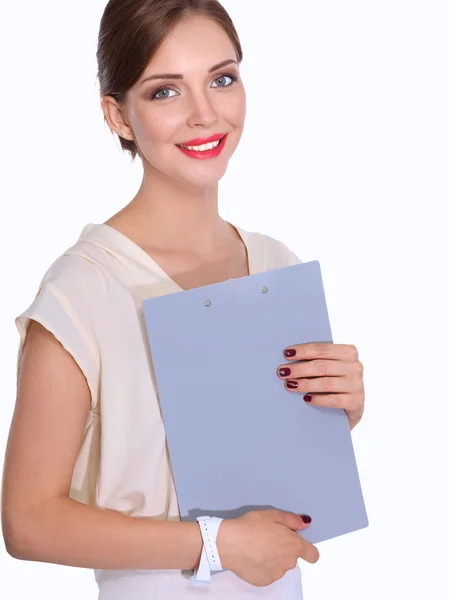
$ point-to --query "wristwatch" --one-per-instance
(210, 559)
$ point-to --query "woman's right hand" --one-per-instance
(262, 545)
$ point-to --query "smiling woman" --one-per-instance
(128, 45)
(88, 448)
(155, 92)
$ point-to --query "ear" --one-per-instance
(116, 117)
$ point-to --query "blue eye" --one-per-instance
(156, 95)
(233, 79)
(163, 89)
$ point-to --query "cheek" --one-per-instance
(236, 109)
(157, 126)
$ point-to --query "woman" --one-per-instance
(87, 444)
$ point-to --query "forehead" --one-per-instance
(196, 43)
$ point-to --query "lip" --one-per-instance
(200, 141)
(207, 153)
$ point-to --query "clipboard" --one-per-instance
(237, 439)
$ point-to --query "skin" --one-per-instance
(176, 206)
(339, 377)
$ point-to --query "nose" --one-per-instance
(201, 111)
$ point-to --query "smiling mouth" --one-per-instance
(202, 147)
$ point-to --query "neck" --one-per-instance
(177, 216)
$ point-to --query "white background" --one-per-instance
(345, 159)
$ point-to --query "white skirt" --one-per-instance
(174, 584)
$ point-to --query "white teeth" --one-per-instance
(201, 148)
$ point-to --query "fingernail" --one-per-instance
(292, 384)
(308, 398)
(289, 353)
(306, 518)
(284, 372)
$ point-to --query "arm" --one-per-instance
(40, 522)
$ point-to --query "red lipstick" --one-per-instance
(208, 140)
(206, 153)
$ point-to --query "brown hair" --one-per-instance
(131, 32)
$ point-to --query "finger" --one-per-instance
(308, 551)
(329, 400)
(292, 520)
(324, 385)
(315, 368)
(327, 350)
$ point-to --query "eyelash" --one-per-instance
(233, 78)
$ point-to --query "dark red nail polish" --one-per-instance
(306, 518)
(284, 372)
(289, 353)
(292, 384)
(308, 398)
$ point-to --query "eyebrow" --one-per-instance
(179, 76)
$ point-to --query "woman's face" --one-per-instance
(164, 112)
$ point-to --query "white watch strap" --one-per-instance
(210, 559)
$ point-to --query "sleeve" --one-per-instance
(65, 306)
(288, 257)
(279, 255)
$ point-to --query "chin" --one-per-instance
(203, 177)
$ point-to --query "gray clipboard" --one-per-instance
(237, 439)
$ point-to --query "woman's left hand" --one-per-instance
(331, 377)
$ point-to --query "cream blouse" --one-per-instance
(90, 299)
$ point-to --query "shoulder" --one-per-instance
(73, 286)
(73, 274)
(69, 303)
(276, 254)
